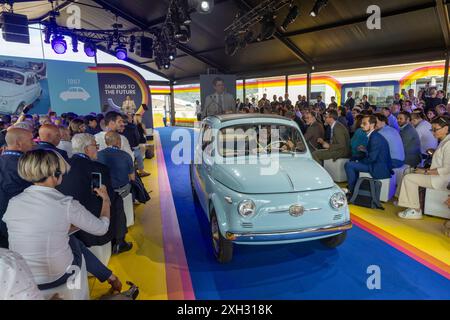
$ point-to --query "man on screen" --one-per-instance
(220, 102)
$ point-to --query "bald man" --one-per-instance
(49, 138)
(18, 141)
(119, 162)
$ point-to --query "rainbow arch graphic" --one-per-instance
(423, 72)
(114, 69)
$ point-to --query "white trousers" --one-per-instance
(409, 192)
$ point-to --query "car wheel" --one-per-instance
(194, 193)
(223, 249)
(335, 241)
(20, 108)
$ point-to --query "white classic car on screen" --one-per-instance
(75, 93)
(18, 89)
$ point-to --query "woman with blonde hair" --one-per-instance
(77, 126)
(40, 219)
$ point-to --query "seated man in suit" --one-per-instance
(49, 138)
(314, 131)
(339, 146)
(410, 139)
(18, 142)
(220, 102)
(376, 158)
(77, 183)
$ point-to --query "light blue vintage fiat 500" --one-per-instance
(254, 177)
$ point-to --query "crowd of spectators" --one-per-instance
(50, 211)
(376, 139)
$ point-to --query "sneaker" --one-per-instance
(411, 214)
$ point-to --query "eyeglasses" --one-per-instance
(436, 130)
(97, 146)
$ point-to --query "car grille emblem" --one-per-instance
(296, 210)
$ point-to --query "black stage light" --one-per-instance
(268, 27)
(182, 9)
(47, 35)
(319, 5)
(185, 34)
(290, 18)
(172, 54)
(90, 49)
(231, 44)
(74, 43)
(132, 43)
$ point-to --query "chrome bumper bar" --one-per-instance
(289, 235)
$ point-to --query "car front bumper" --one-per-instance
(288, 236)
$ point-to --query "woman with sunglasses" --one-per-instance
(40, 219)
(437, 177)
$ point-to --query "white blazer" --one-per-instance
(39, 221)
(441, 162)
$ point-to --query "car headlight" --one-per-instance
(338, 200)
(246, 208)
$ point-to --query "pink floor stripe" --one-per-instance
(405, 251)
(179, 284)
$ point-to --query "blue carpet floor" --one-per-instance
(295, 271)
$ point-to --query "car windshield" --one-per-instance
(257, 139)
(11, 77)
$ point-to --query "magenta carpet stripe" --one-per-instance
(179, 284)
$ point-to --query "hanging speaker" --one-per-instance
(144, 47)
(14, 27)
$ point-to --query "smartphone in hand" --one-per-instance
(96, 181)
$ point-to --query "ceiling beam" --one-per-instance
(144, 26)
(360, 19)
(444, 22)
(296, 51)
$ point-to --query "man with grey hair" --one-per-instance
(77, 183)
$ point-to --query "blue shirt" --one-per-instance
(395, 142)
(392, 121)
(120, 165)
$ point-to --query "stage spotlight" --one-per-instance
(59, 44)
(121, 53)
(319, 5)
(167, 65)
(231, 44)
(172, 54)
(268, 27)
(184, 35)
(74, 43)
(290, 18)
(205, 6)
(90, 49)
(132, 43)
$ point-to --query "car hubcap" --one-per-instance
(215, 234)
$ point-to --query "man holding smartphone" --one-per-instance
(87, 174)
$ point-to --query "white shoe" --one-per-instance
(411, 214)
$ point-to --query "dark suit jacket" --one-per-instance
(411, 144)
(341, 141)
(77, 183)
(11, 184)
(378, 157)
(314, 132)
(47, 145)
